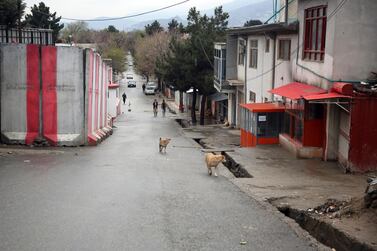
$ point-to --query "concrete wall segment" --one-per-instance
(70, 96)
(14, 87)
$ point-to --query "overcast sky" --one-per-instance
(85, 9)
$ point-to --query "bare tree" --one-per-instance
(147, 50)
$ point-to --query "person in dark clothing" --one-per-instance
(163, 107)
(124, 96)
(155, 106)
(143, 86)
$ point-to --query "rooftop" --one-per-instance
(281, 28)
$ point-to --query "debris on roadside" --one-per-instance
(370, 197)
(333, 209)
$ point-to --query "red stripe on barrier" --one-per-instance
(106, 86)
(96, 93)
(90, 93)
(32, 93)
(49, 95)
(92, 140)
(102, 94)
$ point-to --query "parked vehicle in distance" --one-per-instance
(129, 76)
(154, 84)
(130, 64)
(131, 83)
(150, 90)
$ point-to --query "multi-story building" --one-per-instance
(311, 62)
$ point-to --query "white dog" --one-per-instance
(163, 144)
(213, 160)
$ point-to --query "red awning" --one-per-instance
(329, 95)
(264, 107)
(297, 90)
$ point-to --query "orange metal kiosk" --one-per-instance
(261, 123)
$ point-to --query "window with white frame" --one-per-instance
(284, 49)
(253, 63)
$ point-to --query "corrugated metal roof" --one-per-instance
(297, 90)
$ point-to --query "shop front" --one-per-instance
(261, 123)
(305, 120)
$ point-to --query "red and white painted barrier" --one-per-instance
(19, 93)
(62, 95)
(43, 95)
(96, 83)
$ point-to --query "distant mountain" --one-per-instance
(261, 11)
(239, 11)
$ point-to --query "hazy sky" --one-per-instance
(111, 8)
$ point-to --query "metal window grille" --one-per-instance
(315, 33)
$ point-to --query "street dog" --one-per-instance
(163, 144)
(213, 160)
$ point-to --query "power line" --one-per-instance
(205, 53)
(124, 17)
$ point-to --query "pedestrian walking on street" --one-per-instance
(163, 107)
(143, 86)
(124, 96)
(155, 106)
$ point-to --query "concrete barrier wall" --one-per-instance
(19, 80)
(96, 97)
(70, 96)
(47, 93)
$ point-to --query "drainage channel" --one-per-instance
(324, 232)
(182, 122)
(235, 168)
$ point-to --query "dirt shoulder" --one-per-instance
(300, 185)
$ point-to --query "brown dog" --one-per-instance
(213, 160)
(163, 144)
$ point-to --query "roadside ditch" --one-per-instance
(235, 168)
(310, 220)
(324, 232)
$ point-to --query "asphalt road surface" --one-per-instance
(125, 195)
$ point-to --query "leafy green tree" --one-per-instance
(155, 27)
(112, 28)
(41, 17)
(11, 12)
(204, 31)
(118, 57)
(175, 67)
(252, 22)
(173, 25)
(181, 28)
(189, 61)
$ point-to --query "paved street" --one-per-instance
(125, 195)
